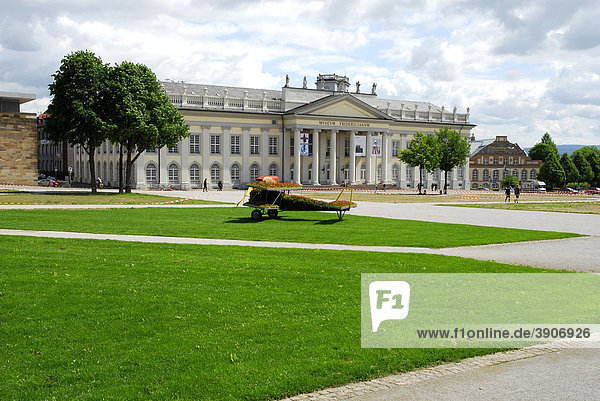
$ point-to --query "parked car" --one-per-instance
(593, 191)
(569, 190)
(48, 182)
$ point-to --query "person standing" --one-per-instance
(205, 186)
(507, 198)
(220, 185)
(517, 192)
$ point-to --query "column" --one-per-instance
(322, 157)
(184, 150)
(416, 175)
(454, 178)
(264, 151)
(226, 149)
(140, 172)
(316, 168)
(297, 168)
(466, 177)
(286, 140)
(368, 161)
(205, 150)
(162, 162)
(245, 154)
(403, 166)
(353, 158)
(385, 156)
(333, 158)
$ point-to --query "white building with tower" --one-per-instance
(326, 135)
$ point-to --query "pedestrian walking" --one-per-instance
(507, 198)
(220, 185)
(517, 192)
(205, 186)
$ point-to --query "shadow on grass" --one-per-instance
(244, 220)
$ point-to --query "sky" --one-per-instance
(522, 67)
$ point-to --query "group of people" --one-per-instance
(205, 186)
(508, 190)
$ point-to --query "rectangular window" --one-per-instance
(215, 145)
(460, 173)
(347, 147)
(291, 146)
(328, 148)
(235, 144)
(485, 160)
(151, 151)
(254, 145)
(174, 149)
(195, 144)
(395, 148)
(273, 146)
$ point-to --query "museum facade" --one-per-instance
(328, 135)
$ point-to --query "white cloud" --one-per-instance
(523, 68)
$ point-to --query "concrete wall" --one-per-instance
(18, 148)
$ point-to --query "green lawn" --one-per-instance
(235, 223)
(561, 207)
(87, 198)
(85, 319)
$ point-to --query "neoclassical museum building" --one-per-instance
(326, 135)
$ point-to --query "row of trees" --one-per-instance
(124, 103)
(581, 169)
(444, 149)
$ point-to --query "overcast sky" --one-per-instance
(523, 67)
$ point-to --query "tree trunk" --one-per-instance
(93, 168)
(420, 179)
(445, 182)
(128, 172)
(120, 168)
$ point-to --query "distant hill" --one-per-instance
(569, 149)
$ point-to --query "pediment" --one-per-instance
(340, 106)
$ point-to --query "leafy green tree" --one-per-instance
(571, 172)
(509, 180)
(422, 151)
(585, 169)
(592, 155)
(75, 110)
(454, 151)
(140, 114)
(551, 172)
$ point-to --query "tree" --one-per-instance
(140, 114)
(592, 155)
(422, 151)
(551, 172)
(454, 150)
(585, 169)
(571, 172)
(509, 181)
(75, 109)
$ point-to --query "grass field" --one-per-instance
(563, 207)
(84, 319)
(471, 196)
(87, 198)
(235, 223)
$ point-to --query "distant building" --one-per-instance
(492, 159)
(324, 135)
(18, 140)
(54, 159)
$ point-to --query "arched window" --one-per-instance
(436, 174)
(475, 175)
(151, 173)
(215, 173)
(173, 174)
(379, 172)
(104, 175)
(195, 174)
(235, 173)
(533, 174)
(409, 173)
(461, 172)
(486, 175)
(523, 175)
(97, 169)
(254, 172)
(111, 170)
(475, 185)
(516, 173)
(496, 175)
(273, 170)
(395, 172)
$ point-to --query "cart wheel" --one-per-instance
(256, 215)
(273, 213)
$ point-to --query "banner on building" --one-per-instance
(361, 144)
(304, 144)
(376, 149)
